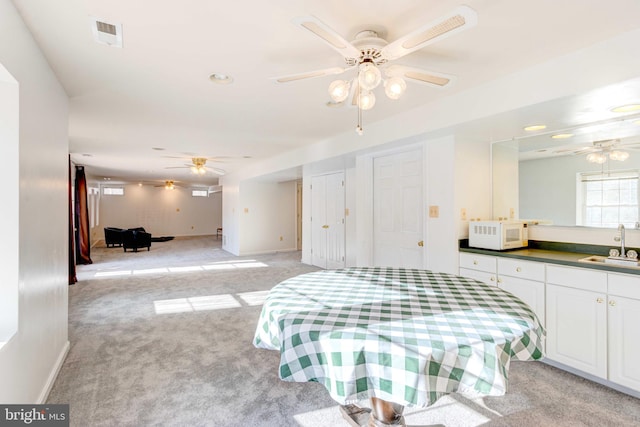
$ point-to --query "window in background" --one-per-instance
(199, 193)
(607, 200)
(113, 191)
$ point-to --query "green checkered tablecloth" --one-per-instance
(401, 335)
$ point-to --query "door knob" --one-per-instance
(421, 243)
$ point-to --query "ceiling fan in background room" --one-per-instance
(199, 166)
(370, 56)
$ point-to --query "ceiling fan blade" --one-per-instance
(460, 19)
(328, 35)
(430, 78)
(216, 170)
(310, 74)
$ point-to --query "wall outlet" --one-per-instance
(463, 214)
(246, 210)
(512, 213)
(434, 211)
(281, 238)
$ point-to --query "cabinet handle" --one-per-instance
(499, 280)
(493, 279)
(612, 303)
(421, 243)
(475, 262)
(600, 300)
(325, 226)
(518, 269)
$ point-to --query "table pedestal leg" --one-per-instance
(385, 413)
(382, 414)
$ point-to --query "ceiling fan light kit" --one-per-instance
(605, 150)
(371, 55)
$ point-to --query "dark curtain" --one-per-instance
(72, 260)
(83, 247)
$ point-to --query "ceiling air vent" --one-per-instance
(109, 33)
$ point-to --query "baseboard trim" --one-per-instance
(44, 394)
(268, 252)
(602, 381)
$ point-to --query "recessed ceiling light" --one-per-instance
(562, 135)
(535, 127)
(626, 108)
(220, 78)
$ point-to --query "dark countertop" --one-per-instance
(554, 254)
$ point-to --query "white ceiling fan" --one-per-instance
(372, 55)
(199, 166)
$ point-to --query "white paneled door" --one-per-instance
(397, 210)
(327, 221)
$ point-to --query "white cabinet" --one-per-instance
(624, 330)
(524, 279)
(592, 317)
(479, 267)
(577, 318)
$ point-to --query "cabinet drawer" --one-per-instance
(522, 269)
(580, 278)
(483, 276)
(624, 285)
(478, 262)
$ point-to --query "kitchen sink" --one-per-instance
(598, 259)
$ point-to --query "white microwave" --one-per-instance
(498, 235)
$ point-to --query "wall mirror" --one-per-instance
(583, 174)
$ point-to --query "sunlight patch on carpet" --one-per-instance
(254, 298)
(203, 303)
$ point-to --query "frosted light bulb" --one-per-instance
(369, 77)
(394, 87)
(339, 90)
(366, 100)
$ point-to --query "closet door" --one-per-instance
(318, 221)
(335, 220)
(397, 212)
(327, 221)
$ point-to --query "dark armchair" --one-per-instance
(113, 236)
(136, 238)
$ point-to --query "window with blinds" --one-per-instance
(607, 200)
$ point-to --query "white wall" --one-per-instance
(30, 360)
(441, 237)
(267, 219)
(9, 161)
(162, 212)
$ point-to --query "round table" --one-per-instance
(400, 337)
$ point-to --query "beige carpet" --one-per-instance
(164, 338)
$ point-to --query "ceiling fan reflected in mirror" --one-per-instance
(371, 55)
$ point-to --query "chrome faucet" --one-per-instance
(620, 239)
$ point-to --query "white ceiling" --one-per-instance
(155, 91)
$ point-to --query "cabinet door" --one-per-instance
(529, 291)
(624, 341)
(576, 329)
(483, 276)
